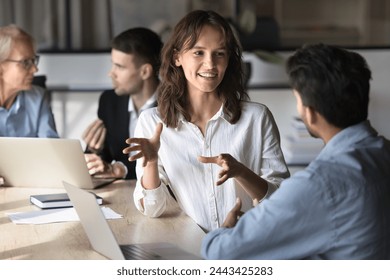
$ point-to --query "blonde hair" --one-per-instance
(10, 34)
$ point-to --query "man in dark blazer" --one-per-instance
(135, 58)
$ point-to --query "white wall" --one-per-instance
(76, 80)
(379, 109)
(83, 71)
(73, 111)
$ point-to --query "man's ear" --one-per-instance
(146, 71)
(311, 115)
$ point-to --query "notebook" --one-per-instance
(55, 200)
(103, 240)
(45, 163)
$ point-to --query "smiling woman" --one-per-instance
(204, 66)
(204, 109)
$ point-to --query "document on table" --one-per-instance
(55, 216)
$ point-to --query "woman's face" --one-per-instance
(205, 63)
(17, 71)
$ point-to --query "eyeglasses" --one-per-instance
(26, 63)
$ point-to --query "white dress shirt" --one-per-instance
(133, 114)
(254, 141)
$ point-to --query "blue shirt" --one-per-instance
(337, 208)
(29, 116)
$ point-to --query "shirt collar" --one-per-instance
(347, 137)
(18, 103)
(131, 105)
(220, 114)
(148, 104)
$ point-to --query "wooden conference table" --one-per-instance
(68, 240)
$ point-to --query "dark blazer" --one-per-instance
(113, 111)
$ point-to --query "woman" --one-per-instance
(202, 104)
(24, 109)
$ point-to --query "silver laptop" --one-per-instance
(103, 240)
(45, 163)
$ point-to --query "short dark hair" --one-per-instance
(333, 81)
(143, 43)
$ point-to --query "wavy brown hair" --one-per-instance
(172, 98)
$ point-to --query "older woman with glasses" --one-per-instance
(24, 108)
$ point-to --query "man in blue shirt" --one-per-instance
(24, 109)
(339, 206)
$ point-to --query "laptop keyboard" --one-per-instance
(134, 252)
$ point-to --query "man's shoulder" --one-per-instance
(109, 98)
(110, 94)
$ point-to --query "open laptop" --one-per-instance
(103, 240)
(45, 163)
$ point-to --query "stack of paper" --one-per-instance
(54, 216)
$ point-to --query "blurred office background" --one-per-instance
(90, 24)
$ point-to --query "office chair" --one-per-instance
(39, 80)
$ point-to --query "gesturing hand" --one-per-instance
(94, 136)
(233, 215)
(230, 166)
(252, 183)
(101, 169)
(95, 164)
(146, 148)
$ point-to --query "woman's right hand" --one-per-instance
(146, 148)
